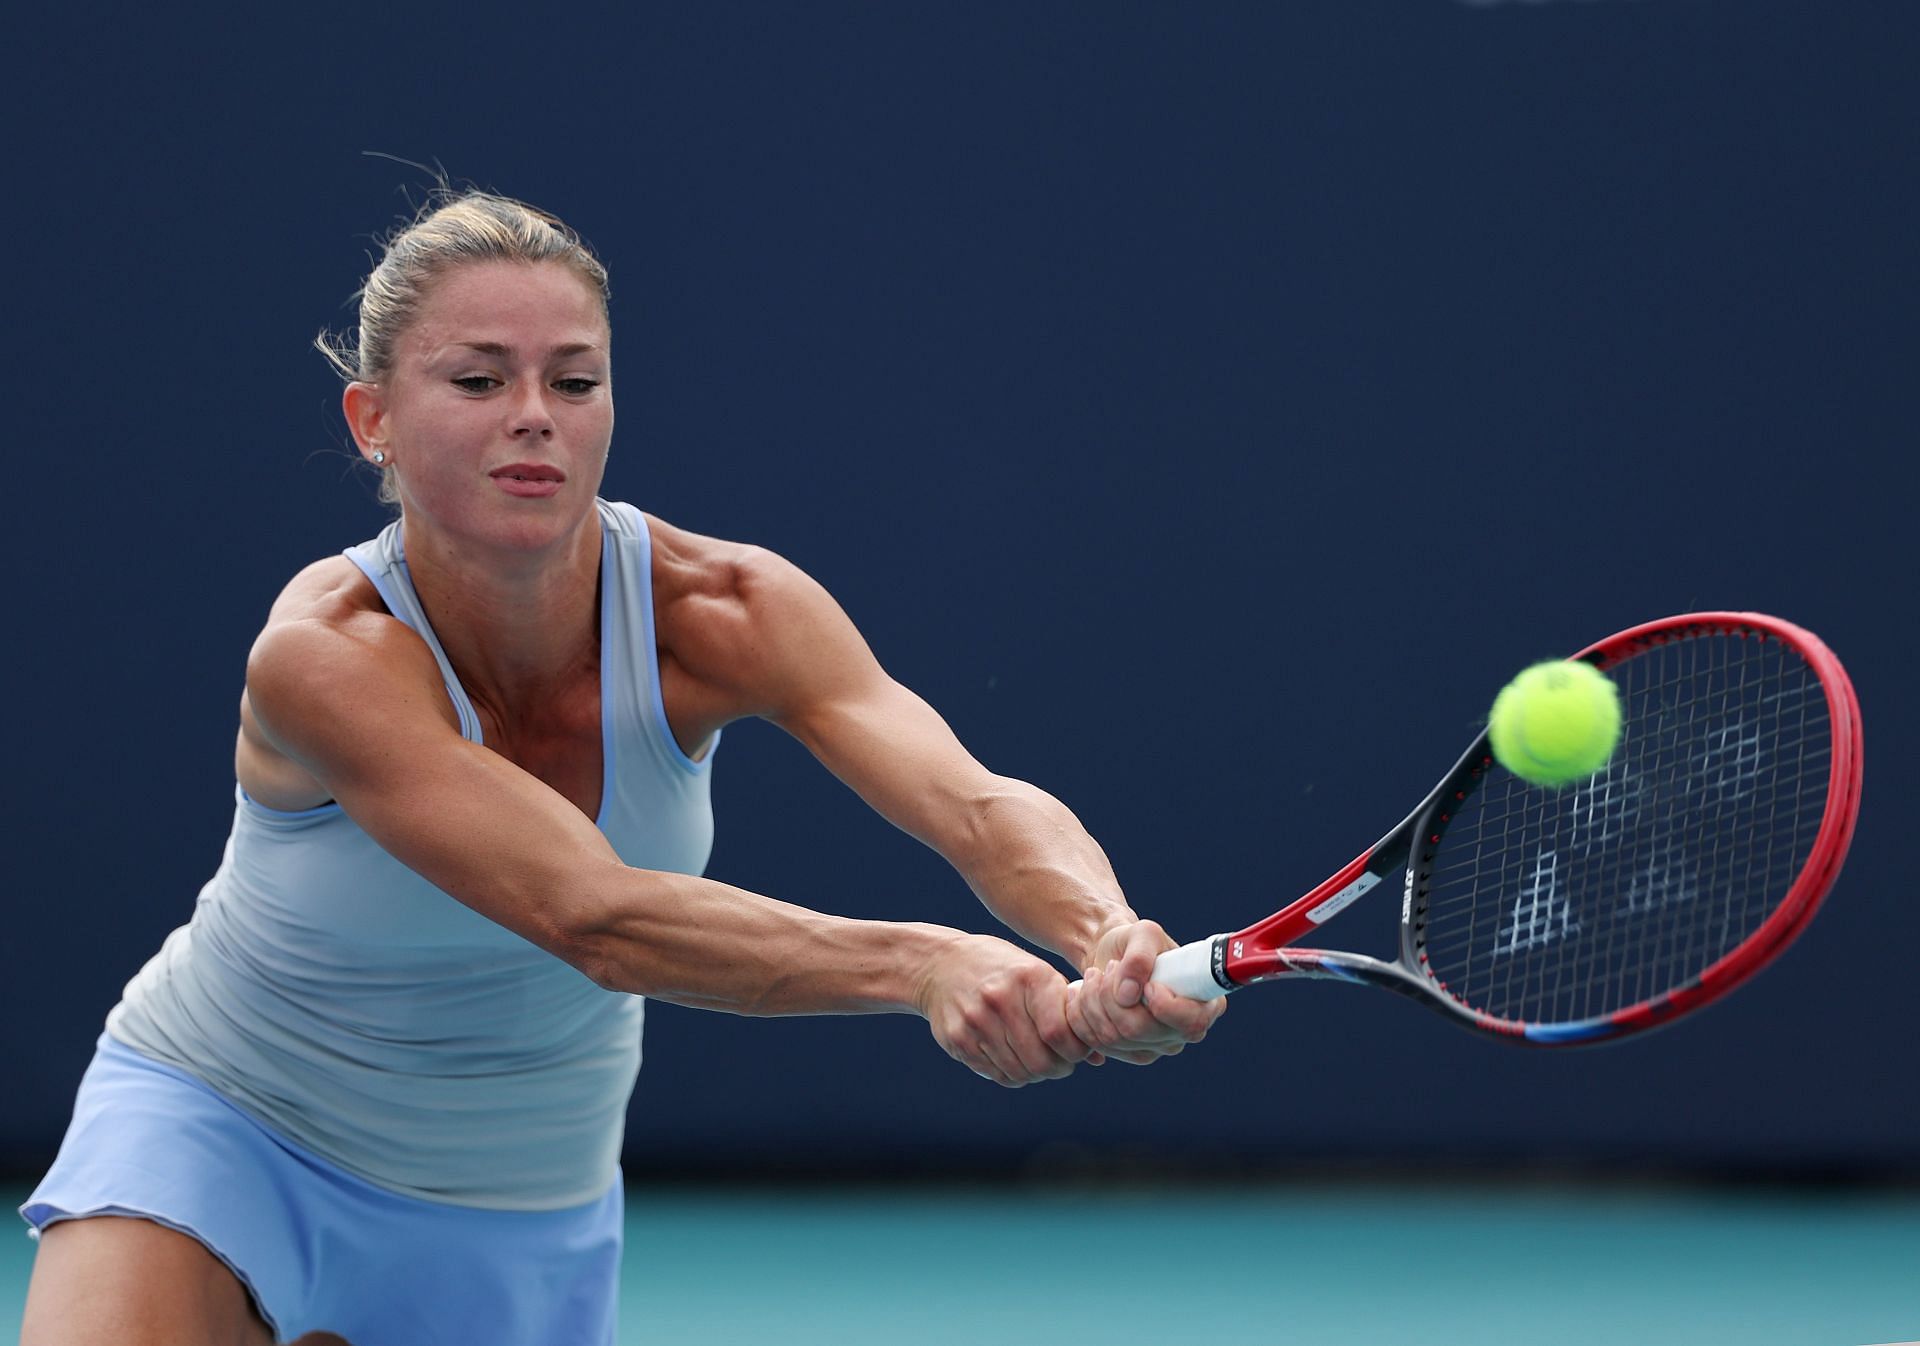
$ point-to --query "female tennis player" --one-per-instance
(373, 1092)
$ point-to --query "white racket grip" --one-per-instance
(1188, 970)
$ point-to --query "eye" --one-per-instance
(576, 387)
(477, 383)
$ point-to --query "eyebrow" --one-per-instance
(558, 352)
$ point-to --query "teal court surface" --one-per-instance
(1624, 1264)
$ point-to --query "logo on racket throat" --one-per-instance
(1343, 899)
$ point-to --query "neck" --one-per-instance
(513, 626)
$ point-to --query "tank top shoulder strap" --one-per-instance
(383, 560)
(630, 649)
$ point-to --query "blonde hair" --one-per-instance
(450, 229)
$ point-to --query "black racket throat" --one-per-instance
(1403, 858)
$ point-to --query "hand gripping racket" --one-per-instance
(1561, 917)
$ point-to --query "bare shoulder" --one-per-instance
(328, 618)
(330, 580)
(708, 588)
(693, 566)
(328, 651)
(741, 625)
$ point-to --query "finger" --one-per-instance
(992, 1076)
(1134, 1023)
(1075, 1008)
(967, 1043)
(1129, 1029)
(985, 1059)
(1033, 1059)
(1037, 1061)
(1095, 1008)
(1144, 943)
(965, 1049)
(1189, 1018)
(1001, 1060)
(1178, 1012)
(1016, 1017)
(1047, 1006)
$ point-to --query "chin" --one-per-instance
(522, 526)
(548, 524)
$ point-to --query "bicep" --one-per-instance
(367, 718)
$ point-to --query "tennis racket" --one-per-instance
(1580, 915)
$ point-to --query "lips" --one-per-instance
(528, 480)
(528, 472)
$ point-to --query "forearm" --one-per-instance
(1034, 866)
(697, 942)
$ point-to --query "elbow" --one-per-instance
(587, 934)
(590, 953)
(596, 961)
(984, 811)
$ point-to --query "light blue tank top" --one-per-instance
(363, 1013)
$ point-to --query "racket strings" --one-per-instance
(1553, 906)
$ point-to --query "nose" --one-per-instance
(530, 418)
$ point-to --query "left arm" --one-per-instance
(1021, 851)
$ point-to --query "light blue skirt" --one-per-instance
(318, 1248)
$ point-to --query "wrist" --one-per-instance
(1087, 951)
(930, 945)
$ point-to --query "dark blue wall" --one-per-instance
(1207, 406)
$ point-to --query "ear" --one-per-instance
(366, 411)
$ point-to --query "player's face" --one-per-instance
(499, 410)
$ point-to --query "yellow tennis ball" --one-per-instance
(1556, 723)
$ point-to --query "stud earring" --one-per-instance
(379, 457)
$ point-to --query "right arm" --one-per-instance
(356, 700)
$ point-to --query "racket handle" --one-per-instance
(1188, 970)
